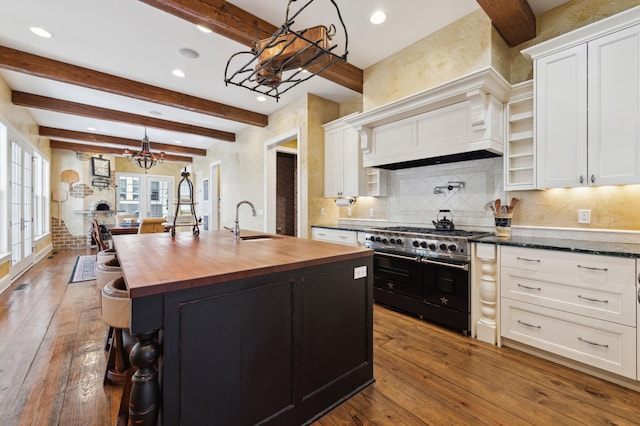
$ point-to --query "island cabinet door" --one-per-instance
(228, 358)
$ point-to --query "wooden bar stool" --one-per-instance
(105, 272)
(104, 256)
(116, 312)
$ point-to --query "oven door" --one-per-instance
(446, 284)
(397, 274)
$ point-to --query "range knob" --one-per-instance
(443, 246)
(399, 242)
(384, 241)
(432, 246)
(392, 241)
(453, 247)
(423, 244)
(417, 244)
(377, 239)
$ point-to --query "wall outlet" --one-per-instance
(349, 211)
(372, 212)
(322, 211)
(584, 216)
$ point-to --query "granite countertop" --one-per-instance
(357, 228)
(579, 246)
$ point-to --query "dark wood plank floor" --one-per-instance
(52, 362)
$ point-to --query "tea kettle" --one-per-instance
(444, 224)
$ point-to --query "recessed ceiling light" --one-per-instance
(188, 53)
(178, 73)
(92, 129)
(261, 98)
(203, 29)
(41, 32)
(178, 142)
(378, 17)
(155, 113)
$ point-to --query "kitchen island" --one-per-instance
(274, 330)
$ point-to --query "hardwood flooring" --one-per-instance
(52, 364)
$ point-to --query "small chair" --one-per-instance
(151, 224)
(104, 256)
(96, 233)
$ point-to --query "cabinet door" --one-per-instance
(561, 118)
(351, 163)
(614, 108)
(333, 161)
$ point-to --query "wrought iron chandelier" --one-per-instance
(287, 58)
(144, 158)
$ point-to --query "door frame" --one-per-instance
(272, 147)
(214, 194)
(25, 261)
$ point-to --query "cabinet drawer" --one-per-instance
(601, 344)
(588, 268)
(335, 236)
(609, 301)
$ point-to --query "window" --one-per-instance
(4, 189)
(144, 195)
(41, 195)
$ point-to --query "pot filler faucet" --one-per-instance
(236, 228)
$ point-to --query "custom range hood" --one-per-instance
(456, 121)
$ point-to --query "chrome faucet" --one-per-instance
(236, 228)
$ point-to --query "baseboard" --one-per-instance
(42, 253)
(5, 282)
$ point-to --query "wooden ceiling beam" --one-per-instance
(513, 19)
(66, 107)
(237, 24)
(114, 140)
(78, 147)
(15, 60)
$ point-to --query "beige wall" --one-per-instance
(242, 164)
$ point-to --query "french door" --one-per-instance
(21, 208)
(145, 195)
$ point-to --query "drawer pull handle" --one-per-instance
(591, 268)
(390, 284)
(593, 343)
(322, 234)
(526, 287)
(529, 325)
(344, 237)
(528, 260)
(592, 300)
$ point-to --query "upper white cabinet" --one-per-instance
(587, 104)
(342, 165)
(344, 175)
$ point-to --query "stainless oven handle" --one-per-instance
(464, 266)
(397, 256)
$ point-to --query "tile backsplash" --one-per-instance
(411, 198)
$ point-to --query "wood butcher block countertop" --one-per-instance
(156, 263)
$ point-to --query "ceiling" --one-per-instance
(136, 41)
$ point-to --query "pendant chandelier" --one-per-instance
(287, 58)
(145, 159)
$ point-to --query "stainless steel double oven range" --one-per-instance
(424, 272)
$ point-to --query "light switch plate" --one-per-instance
(359, 272)
(584, 216)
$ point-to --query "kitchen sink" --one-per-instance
(258, 237)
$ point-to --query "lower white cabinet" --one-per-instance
(579, 306)
(340, 236)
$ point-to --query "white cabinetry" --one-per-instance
(519, 150)
(340, 236)
(579, 306)
(342, 164)
(587, 95)
(344, 175)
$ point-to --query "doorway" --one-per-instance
(214, 196)
(286, 193)
(286, 143)
(21, 208)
